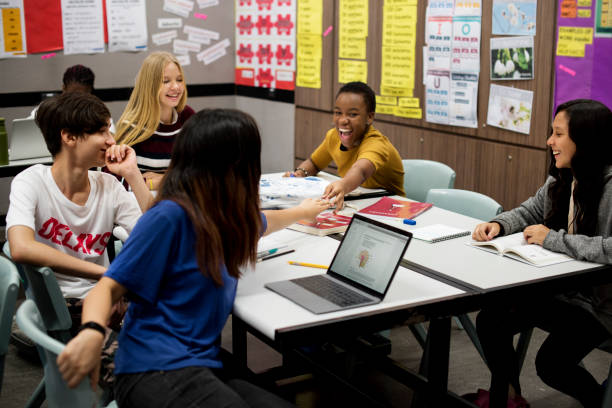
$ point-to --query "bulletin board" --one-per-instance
(119, 69)
(541, 86)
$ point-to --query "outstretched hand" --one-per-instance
(312, 207)
(334, 192)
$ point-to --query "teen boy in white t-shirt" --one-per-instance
(62, 216)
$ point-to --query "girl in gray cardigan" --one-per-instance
(570, 213)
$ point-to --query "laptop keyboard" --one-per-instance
(330, 290)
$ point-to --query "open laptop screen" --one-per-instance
(370, 253)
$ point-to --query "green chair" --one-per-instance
(422, 175)
(465, 202)
(9, 287)
(58, 394)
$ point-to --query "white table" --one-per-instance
(435, 281)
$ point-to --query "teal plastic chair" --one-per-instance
(9, 288)
(59, 395)
(465, 202)
(473, 205)
(422, 175)
(41, 287)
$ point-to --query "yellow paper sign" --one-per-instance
(385, 109)
(570, 49)
(309, 46)
(11, 21)
(409, 102)
(349, 71)
(308, 73)
(310, 17)
(411, 113)
(584, 13)
(386, 100)
(352, 47)
(353, 18)
(387, 90)
(584, 3)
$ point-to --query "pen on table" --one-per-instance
(310, 265)
(272, 251)
(275, 254)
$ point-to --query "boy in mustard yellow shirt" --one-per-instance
(364, 156)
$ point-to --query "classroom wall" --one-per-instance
(118, 69)
(504, 165)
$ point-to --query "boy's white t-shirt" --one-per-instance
(80, 231)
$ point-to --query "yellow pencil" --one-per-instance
(308, 264)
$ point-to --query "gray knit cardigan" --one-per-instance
(597, 248)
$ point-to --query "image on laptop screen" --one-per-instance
(369, 255)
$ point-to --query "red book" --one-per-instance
(325, 224)
(390, 207)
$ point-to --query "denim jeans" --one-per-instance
(190, 387)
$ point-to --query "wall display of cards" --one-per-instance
(265, 43)
(510, 108)
(512, 58)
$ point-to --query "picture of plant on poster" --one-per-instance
(514, 17)
(510, 108)
(512, 58)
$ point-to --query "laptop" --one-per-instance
(26, 141)
(360, 273)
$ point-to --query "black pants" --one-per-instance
(574, 333)
(190, 387)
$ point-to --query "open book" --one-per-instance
(514, 246)
(326, 223)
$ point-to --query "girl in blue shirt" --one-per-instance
(179, 268)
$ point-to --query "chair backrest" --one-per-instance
(9, 287)
(422, 175)
(43, 289)
(58, 394)
(465, 202)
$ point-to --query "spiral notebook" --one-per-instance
(438, 232)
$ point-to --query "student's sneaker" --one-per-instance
(25, 346)
(481, 400)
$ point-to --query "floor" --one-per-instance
(467, 373)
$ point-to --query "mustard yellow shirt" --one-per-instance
(376, 148)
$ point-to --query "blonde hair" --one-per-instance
(142, 114)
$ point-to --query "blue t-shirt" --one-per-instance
(176, 314)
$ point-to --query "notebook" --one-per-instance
(360, 273)
(26, 141)
(438, 232)
(390, 207)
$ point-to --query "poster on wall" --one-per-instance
(437, 89)
(12, 30)
(514, 17)
(510, 108)
(511, 58)
(265, 43)
(127, 25)
(583, 52)
(83, 26)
